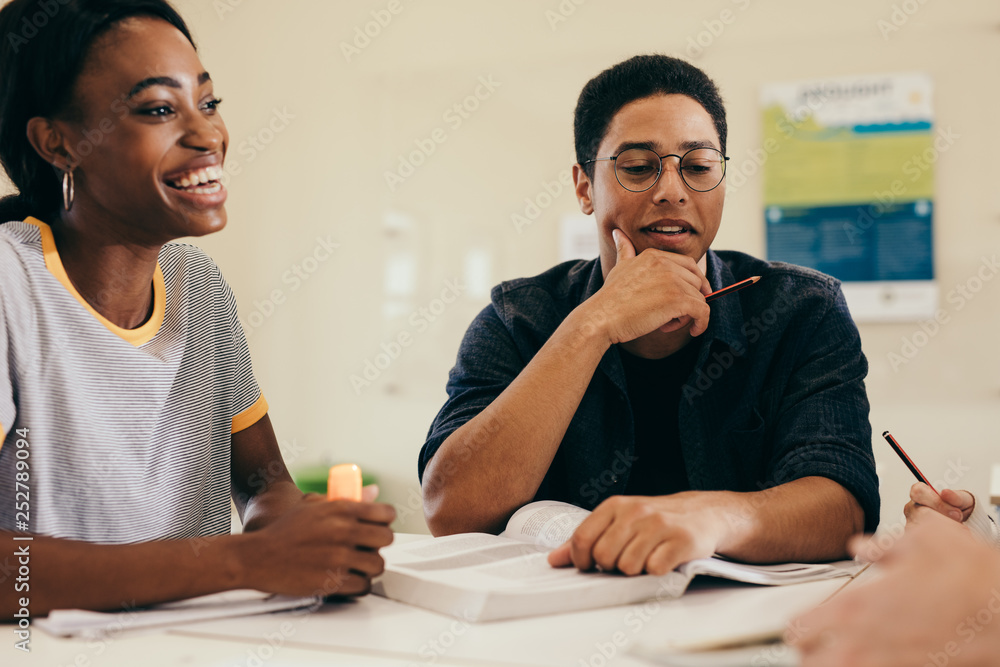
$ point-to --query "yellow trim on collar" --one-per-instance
(138, 336)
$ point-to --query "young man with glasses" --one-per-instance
(738, 427)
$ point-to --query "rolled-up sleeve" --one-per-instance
(488, 362)
(823, 428)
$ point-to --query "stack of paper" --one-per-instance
(96, 624)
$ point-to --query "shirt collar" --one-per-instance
(726, 322)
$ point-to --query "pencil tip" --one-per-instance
(755, 278)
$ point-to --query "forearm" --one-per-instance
(262, 489)
(808, 519)
(495, 462)
(67, 574)
(265, 507)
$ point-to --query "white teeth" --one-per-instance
(667, 229)
(209, 190)
(199, 177)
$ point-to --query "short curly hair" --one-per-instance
(634, 79)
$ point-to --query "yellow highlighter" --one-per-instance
(344, 482)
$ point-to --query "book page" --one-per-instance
(545, 523)
(769, 575)
(474, 558)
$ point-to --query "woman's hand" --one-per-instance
(957, 505)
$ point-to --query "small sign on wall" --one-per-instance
(578, 237)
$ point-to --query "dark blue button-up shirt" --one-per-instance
(777, 392)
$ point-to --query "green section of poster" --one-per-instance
(814, 165)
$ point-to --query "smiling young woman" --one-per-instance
(124, 372)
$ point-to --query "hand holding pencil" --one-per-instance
(957, 505)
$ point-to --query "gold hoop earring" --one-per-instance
(68, 190)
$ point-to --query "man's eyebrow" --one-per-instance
(652, 146)
(626, 145)
(167, 81)
(690, 145)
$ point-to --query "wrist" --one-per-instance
(590, 326)
(264, 508)
(237, 561)
(731, 521)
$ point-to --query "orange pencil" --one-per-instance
(732, 288)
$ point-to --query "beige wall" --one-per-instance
(344, 124)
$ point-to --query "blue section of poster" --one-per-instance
(858, 242)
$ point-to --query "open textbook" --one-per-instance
(482, 577)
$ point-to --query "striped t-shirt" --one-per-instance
(127, 433)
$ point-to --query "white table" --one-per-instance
(376, 631)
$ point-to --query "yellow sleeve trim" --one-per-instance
(250, 416)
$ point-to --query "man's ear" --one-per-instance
(584, 189)
(49, 141)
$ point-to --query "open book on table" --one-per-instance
(482, 577)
